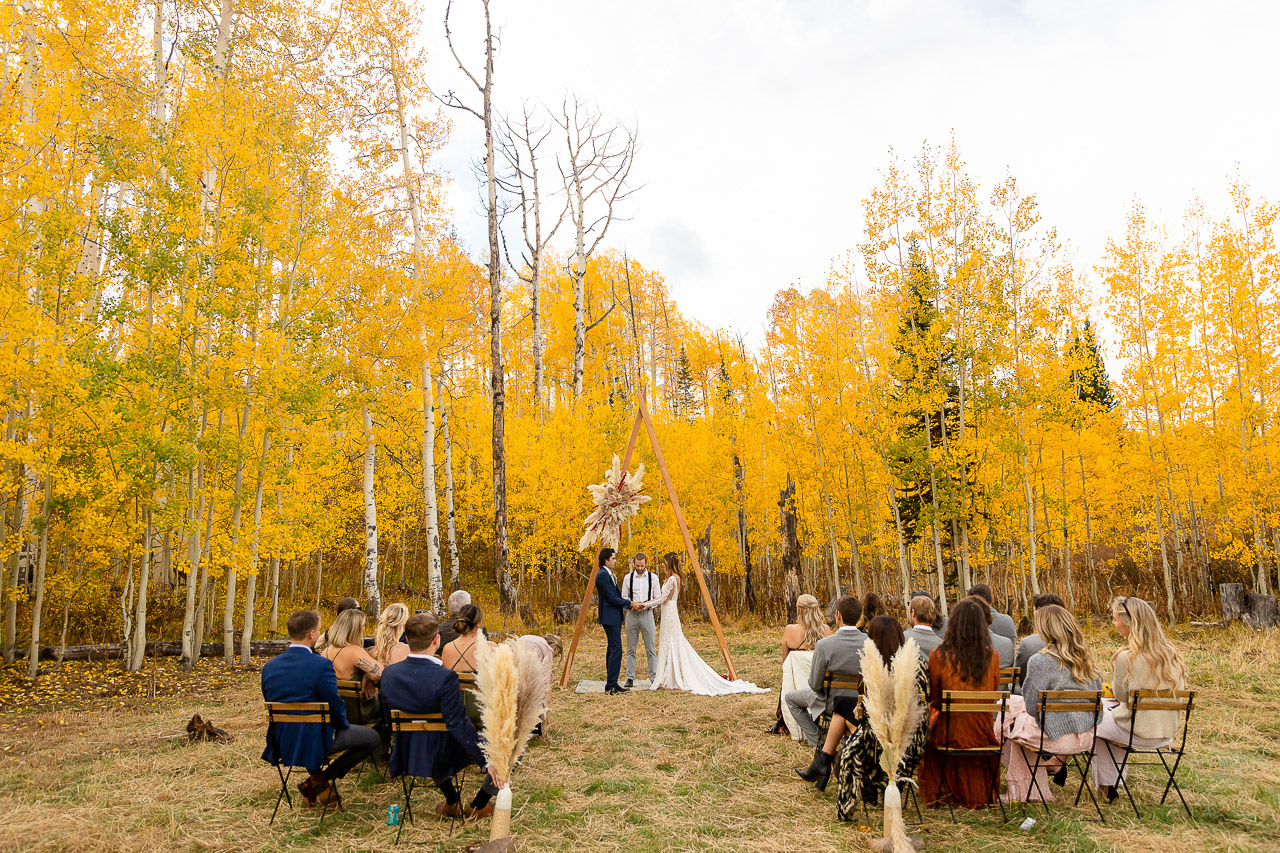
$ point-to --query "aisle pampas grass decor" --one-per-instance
(891, 700)
(510, 704)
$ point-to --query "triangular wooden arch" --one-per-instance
(642, 416)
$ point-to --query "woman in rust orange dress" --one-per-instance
(964, 661)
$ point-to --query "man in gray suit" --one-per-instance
(1001, 623)
(921, 614)
(1032, 643)
(842, 653)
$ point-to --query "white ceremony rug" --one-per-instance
(586, 686)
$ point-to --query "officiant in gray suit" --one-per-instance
(641, 585)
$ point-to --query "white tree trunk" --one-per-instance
(435, 586)
(138, 652)
(372, 593)
(455, 570)
(37, 606)
(251, 588)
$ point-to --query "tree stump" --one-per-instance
(1255, 610)
(566, 612)
(526, 615)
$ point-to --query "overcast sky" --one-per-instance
(764, 123)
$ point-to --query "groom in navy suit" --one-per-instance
(610, 605)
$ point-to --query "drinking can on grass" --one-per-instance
(393, 814)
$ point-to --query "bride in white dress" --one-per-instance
(679, 666)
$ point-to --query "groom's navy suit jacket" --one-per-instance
(610, 603)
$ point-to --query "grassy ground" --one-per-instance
(92, 760)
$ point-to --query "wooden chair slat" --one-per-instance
(992, 749)
(1065, 707)
(296, 706)
(421, 727)
(1071, 694)
(976, 694)
(301, 718)
(977, 709)
(1165, 694)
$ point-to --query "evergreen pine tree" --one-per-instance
(685, 405)
(1091, 378)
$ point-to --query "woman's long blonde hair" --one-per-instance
(809, 615)
(1064, 642)
(1147, 640)
(387, 634)
(347, 629)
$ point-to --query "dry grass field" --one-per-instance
(90, 760)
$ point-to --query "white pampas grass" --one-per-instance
(512, 693)
(891, 701)
(617, 499)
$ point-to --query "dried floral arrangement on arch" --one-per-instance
(617, 499)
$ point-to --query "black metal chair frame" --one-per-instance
(971, 702)
(400, 724)
(294, 713)
(351, 689)
(1010, 676)
(836, 681)
(1060, 702)
(1158, 700)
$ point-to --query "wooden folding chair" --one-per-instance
(1010, 677)
(832, 681)
(973, 702)
(467, 681)
(294, 713)
(351, 689)
(1158, 700)
(400, 724)
(1064, 702)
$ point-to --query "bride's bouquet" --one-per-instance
(617, 499)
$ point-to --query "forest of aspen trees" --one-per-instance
(246, 365)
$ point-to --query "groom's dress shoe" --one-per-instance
(616, 691)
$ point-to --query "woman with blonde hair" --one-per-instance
(351, 662)
(388, 648)
(1065, 663)
(798, 641)
(1148, 662)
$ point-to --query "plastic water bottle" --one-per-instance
(393, 814)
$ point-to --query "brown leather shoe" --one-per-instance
(483, 811)
(328, 795)
(449, 810)
(310, 788)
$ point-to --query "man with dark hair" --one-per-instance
(1033, 643)
(420, 685)
(298, 675)
(609, 607)
(921, 614)
(1001, 623)
(841, 652)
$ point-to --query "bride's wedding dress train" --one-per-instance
(679, 666)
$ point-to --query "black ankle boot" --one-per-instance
(1060, 778)
(819, 771)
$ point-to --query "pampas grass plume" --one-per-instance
(498, 682)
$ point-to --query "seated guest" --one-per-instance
(1032, 642)
(547, 648)
(1003, 645)
(298, 675)
(343, 606)
(1148, 662)
(798, 641)
(940, 621)
(352, 663)
(861, 776)
(388, 647)
(921, 614)
(964, 661)
(872, 607)
(458, 599)
(1001, 623)
(420, 685)
(460, 655)
(839, 653)
(1063, 663)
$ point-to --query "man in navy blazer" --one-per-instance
(609, 606)
(300, 675)
(420, 685)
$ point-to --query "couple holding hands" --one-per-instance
(673, 663)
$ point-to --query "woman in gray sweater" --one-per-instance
(1065, 663)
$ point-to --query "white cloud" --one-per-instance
(764, 123)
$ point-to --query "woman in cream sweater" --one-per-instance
(1149, 662)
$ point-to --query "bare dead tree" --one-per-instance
(519, 142)
(502, 557)
(594, 166)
